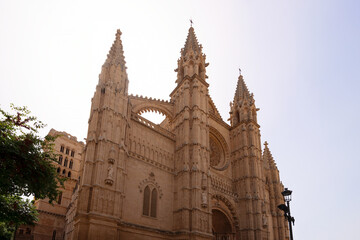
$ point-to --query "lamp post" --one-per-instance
(286, 208)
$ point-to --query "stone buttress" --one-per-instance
(102, 184)
(248, 175)
(192, 154)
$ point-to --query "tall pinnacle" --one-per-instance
(242, 92)
(191, 43)
(267, 156)
(116, 53)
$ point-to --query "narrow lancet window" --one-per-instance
(153, 203)
(146, 201)
(150, 202)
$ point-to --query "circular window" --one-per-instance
(217, 154)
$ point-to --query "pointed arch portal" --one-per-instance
(221, 226)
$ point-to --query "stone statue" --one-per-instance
(264, 220)
(110, 172)
(203, 199)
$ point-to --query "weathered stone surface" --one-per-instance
(191, 177)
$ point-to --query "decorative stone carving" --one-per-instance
(204, 200)
(112, 154)
(123, 147)
(218, 151)
(204, 181)
(150, 180)
(228, 204)
(204, 223)
(263, 207)
(264, 220)
(215, 153)
(110, 175)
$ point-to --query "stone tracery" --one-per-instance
(150, 181)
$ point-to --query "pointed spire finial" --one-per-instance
(191, 42)
(268, 156)
(118, 34)
(241, 89)
(116, 53)
(191, 22)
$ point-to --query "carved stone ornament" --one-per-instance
(111, 158)
(218, 155)
(204, 181)
(109, 181)
(150, 180)
(110, 175)
(204, 200)
(264, 220)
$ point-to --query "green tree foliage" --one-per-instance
(26, 166)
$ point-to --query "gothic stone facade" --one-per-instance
(191, 177)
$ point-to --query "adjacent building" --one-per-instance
(51, 224)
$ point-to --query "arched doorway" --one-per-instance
(221, 226)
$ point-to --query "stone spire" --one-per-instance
(243, 107)
(191, 43)
(192, 61)
(116, 53)
(267, 156)
(242, 91)
(113, 71)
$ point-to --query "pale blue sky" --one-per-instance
(300, 59)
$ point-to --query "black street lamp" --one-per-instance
(286, 208)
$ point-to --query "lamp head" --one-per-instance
(287, 195)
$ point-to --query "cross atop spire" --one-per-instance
(116, 53)
(191, 22)
(267, 155)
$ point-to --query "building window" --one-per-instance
(21, 231)
(150, 202)
(71, 164)
(63, 172)
(67, 151)
(28, 231)
(153, 203)
(59, 198)
(66, 162)
(58, 170)
(60, 159)
(54, 235)
(62, 149)
(69, 174)
(72, 153)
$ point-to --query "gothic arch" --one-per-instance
(152, 107)
(220, 140)
(150, 181)
(229, 207)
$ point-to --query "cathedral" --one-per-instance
(193, 176)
